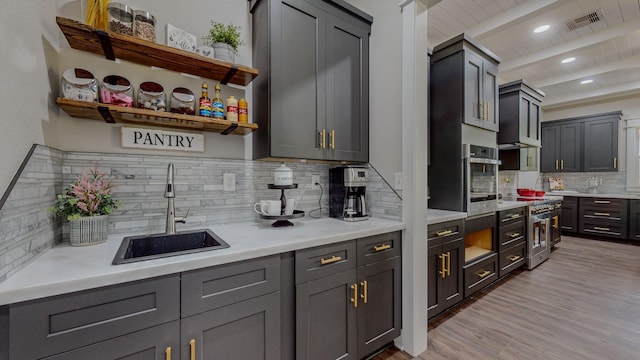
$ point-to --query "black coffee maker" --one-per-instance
(347, 186)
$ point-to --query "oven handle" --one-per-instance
(484, 161)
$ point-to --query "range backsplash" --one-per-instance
(27, 229)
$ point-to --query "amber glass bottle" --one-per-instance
(217, 107)
(205, 103)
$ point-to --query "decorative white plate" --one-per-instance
(180, 39)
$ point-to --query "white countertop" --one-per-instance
(436, 216)
(578, 194)
(508, 205)
(66, 268)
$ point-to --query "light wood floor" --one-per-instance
(583, 303)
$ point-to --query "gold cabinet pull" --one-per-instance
(514, 258)
(381, 247)
(448, 270)
(615, 162)
(561, 164)
(323, 134)
(443, 272)
(486, 111)
(330, 260)
(332, 139)
(556, 164)
(602, 202)
(167, 353)
(601, 228)
(363, 296)
(601, 214)
(484, 274)
(556, 221)
(354, 299)
(514, 235)
(192, 349)
(444, 232)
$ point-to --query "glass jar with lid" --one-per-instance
(120, 18)
(144, 25)
(116, 90)
(79, 84)
(151, 96)
(182, 101)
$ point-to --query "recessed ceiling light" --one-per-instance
(540, 29)
(588, 81)
(568, 60)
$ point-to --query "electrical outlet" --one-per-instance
(315, 179)
(229, 182)
(398, 181)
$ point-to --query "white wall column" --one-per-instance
(414, 169)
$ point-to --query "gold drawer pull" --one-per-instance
(354, 299)
(602, 202)
(444, 232)
(382, 247)
(601, 214)
(330, 260)
(484, 274)
(515, 216)
(167, 353)
(192, 349)
(514, 258)
(601, 228)
(514, 235)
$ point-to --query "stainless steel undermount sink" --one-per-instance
(147, 247)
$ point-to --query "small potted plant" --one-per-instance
(224, 39)
(86, 204)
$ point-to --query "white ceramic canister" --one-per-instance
(282, 175)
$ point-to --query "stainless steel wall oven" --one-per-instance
(481, 174)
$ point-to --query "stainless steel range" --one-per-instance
(540, 231)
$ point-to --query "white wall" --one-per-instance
(30, 75)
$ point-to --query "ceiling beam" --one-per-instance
(512, 14)
(589, 96)
(573, 45)
(626, 63)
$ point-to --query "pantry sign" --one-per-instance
(161, 140)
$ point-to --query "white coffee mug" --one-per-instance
(268, 207)
(290, 205)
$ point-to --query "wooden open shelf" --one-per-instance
(117, 114)
(473, 252)
(113, 45)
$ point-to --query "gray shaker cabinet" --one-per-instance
(312, 98)
(464, 84)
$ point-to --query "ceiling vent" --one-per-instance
(584, 20)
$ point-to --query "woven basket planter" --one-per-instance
(88, 230)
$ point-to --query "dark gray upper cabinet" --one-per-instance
(311, 99)
(581, 144)
(464, 83)
(520, 114)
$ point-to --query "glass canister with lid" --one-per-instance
(116, 90)
(182, 101)
(120, 18)
(79, 84)
(144, 25)
(151, 96)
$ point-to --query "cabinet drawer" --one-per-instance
(604, 203)
(446, 231)
(378, 248)
(53, 325)
(512, 234)
(513, 215)
(480, 274)
(591, 213)
(321, 261)
(609, 229)
(222, 285)
(512, 258)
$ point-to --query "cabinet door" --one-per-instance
(569, 214)
(347, 107)
(556, 232)
(529, 119)
(601, 145)
(452, 286)
(326, 317)
(570, 147)
(490, 96)
(248, 330)
(550, 151)
(298, 83)
(473, 100)
(379, 305)
(435, 269)
(634, 220)
(156, 343)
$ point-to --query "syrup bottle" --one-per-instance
(217, 107)
(205, 103)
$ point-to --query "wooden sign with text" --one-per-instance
(161, 140)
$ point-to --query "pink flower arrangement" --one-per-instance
(89, 195)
